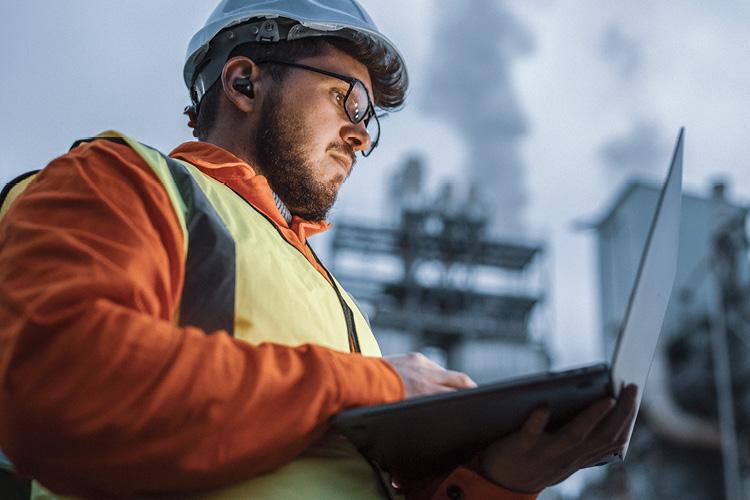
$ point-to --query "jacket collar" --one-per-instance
(237, 175)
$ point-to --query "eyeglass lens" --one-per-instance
(358, 108)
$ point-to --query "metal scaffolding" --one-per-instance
(437, 276)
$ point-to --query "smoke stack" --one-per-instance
(472, 88)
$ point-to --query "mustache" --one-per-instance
(343, 148)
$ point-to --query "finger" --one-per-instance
(578, 429)
(536, 422)
(456, 380)
(588, 456)
(424, 361)
(620, 419)
(597, 454)
(439, 389)
(562, 473)
(600, 457)
(623, 432)
(412, 359)
(622, 440)
(426, 389)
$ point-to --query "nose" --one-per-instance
(355, 134)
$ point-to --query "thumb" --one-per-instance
(537, 421)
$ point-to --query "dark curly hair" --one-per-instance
(389, 78)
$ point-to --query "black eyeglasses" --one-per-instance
(356, 104)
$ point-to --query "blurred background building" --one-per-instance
(691, 438)
(434, 279)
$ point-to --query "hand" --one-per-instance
(423, 376)
(531, 459)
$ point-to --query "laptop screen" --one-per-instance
(649, 297)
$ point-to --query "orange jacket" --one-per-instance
(101, 393)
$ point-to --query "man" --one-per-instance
(169, 331)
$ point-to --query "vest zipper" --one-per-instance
(351, 328)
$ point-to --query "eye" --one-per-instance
(339, 97)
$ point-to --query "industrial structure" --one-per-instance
(435, 280)
(691, 438)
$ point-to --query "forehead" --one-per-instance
(342, 63)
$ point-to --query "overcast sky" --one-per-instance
(593, 93)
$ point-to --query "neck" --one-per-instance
(242, 150)
(238, 147)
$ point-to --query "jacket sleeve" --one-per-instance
(95, 376)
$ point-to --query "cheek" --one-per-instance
(324, 121)
(320, 131)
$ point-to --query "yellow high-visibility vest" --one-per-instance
(244, 277)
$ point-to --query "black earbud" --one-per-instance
(244, 86)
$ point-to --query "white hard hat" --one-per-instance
(273, 21)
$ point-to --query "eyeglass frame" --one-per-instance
(352, 82)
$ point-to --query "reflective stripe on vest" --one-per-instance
(207, 300)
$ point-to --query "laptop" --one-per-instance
(429, 435)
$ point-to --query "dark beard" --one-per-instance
(282, 159)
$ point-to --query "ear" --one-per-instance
(241, 68)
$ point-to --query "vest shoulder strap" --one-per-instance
(13, 188)
(209, 246)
